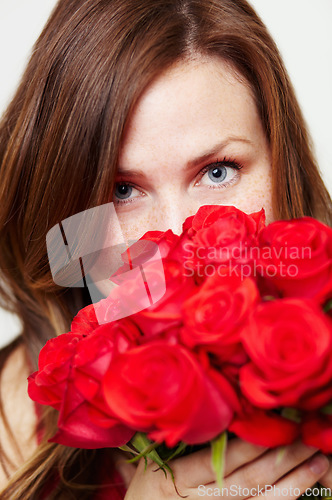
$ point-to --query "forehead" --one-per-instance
(188, 106)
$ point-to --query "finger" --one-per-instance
(326, 480)
(126, 470)
(241, 452)
(269, 468)
(291, 486)
(193, 469)
(294, 484)
(196, 468)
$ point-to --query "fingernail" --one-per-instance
(319, 464)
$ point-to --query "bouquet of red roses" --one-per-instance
(240, 340)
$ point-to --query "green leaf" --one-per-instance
(292, 414)
(127, 449)
(140, 441)
(328, 306)
(327, 410)
(218, 449)
(173, 479)
(146, 449)
(178, 451)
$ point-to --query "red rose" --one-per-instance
(263, 428)
(162, 389)
(78, 430)
(166, 240)
(170, 247)
(220, 236)
(48, 384)
(213, 315)
(289, 342)
(85, 420)
(71, 369)
(166, 312)
(85, 321)
(127, 297)
(317, 431)
(94, 355)
(296, 256)
(152, 245)
(209, 214)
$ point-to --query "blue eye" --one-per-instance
(123, 191)
(217, 174)
(220, 174)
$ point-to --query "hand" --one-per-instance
(326, 480)
(247, 466)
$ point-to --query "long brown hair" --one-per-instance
(59, 147)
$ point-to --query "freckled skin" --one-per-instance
(183, 114)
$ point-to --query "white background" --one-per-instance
(301, 29)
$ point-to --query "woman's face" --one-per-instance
(195, 138)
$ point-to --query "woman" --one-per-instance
(160, 106)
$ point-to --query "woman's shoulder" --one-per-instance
(17, 414)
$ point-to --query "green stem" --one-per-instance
(218, 447)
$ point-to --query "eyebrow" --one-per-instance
(216, 149)
(205, 156)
